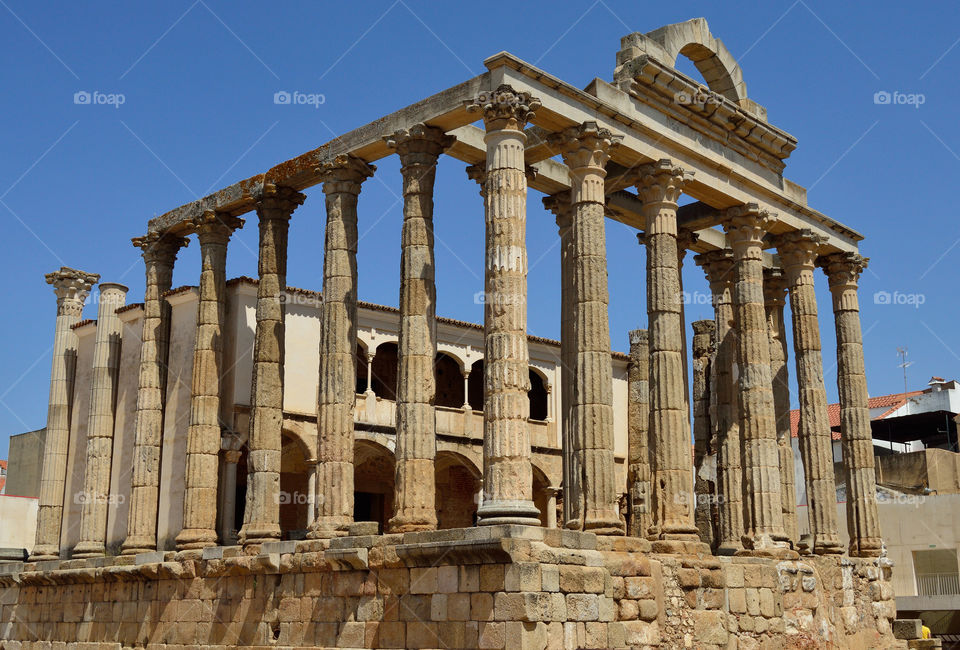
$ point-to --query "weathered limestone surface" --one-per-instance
(703, 336)
(718, 266)
(659, 186)
(159, 254)
(843, 271)
(71, 288)
(774, 289)
(262, 511)
(507, 473)
(203, 435)
(343, 177)
(585, 150)
(639, 487)
(798, 253)
(103, 393)
(414, 504)
(745, 227)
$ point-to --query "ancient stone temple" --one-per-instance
(241, 463)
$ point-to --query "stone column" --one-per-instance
(843, 271)
(71, 287)
(230, 455)
(562, 208)
(798, 254)
(370, 357)
(552, 493)
(203, 434)
(745, 226)
(685, 240)
(508, 474)
(638, 444)
(659, 186)
(311, 490)
(585, 149)
(774, 289)
(703, 336)
(159, 254)
(103, 395)
(342, 178)
(719, 268)
(414, 505)
(466, 390)
(262, 512)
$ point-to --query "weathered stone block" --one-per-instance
(583, 607)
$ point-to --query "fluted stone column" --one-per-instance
(638, 444)
(414, 506)
(560, 205)
(71, 287)
(585, 150)
(342, 178)
(159, 253)
(718, 266)
(798, 254)
(685, 240)
(659, 186)
(774, 290)
(262, 512)
(230, 453)
(203, 434)
(103, 395)
(703, 333)
(843, 271)
(745, 226)
(508, 474)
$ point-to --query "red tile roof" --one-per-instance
(892, 402)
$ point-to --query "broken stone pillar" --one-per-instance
(415, 489)
(203, 434)
(71, 287)
(745, 226)
(103, 395)
(159, 253)
(703, 333)
(659, 185)
(560, 205)
(843, 271)
(638, 447)
(718, 265)
(585, 150)
(508, 474)
(342, 178)
(798, 253)
(262, 512)
(774, 290)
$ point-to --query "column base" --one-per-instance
(135, 545)
(43, 552)
(85, 550)
(258, 533)
(195, 538)
(729, 548)
(868, 547)
(827, 545)
(497, 513)
(767, 545)
(604, 524)
(411, 523)
(327, 527)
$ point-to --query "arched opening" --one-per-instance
(538, 396)
(361, 369)
(384, 380)
(541, 495)
(373, 470)
(449, 381)
(294, 488)
(475, 386)
(458, 483)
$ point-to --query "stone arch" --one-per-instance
(384, 380)
(373, 475)
(294, 485)
(539, 398)
(458, 483)
(361, 387)
(449, 381)
(475, 386)
(541, 493)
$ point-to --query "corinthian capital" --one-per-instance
(745, 226)
(774, 287)
(71, 287)
(798, 251)
(278, 202)
(160, 248)
(843, 269)
(559, 204)
(585, 146)
(661, 182)
(504, 108)
(717, 265)
(344, 174)
(420, 144)
(216, 228)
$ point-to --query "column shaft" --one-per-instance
(342, 178)
(798, 253)
(203, 434)
(262, 511)
(71, 287)
(843, 270)
(415, 488)
(638, 444)
(159, 255)
(703, 333)
(103, 394)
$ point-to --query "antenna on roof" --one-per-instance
(904, 364)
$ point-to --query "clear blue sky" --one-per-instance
(198, 80)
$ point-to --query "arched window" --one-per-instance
(361, 369)
(475, 386)
(449, 381)
(538, 396)
(384, 381)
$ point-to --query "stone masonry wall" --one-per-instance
(491, 587)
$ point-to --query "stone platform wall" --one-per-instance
(494, 587)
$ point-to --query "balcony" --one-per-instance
(938, 584)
